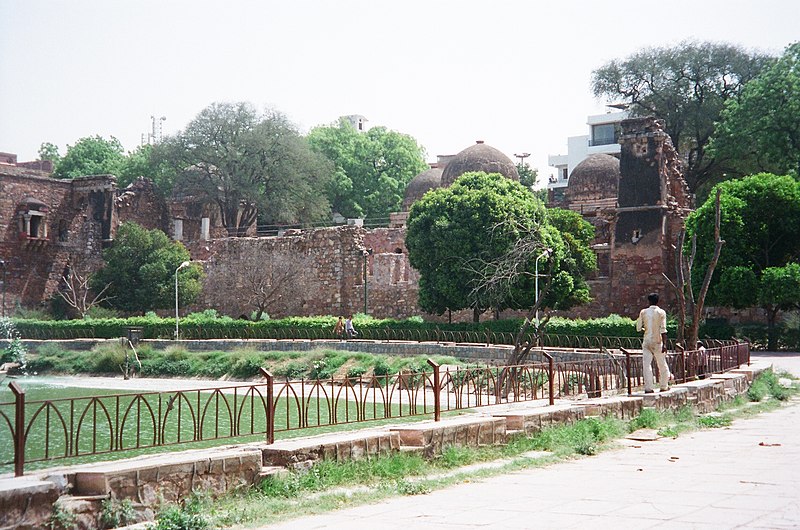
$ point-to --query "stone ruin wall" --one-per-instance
(78, 220)
(653, 203)
(310, 272)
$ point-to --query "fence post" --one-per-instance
(437, 388)
(550, 377)
(487, 337)
(19, 428)
(270, 405)
(628, 369)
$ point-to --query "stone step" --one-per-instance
(272, 472)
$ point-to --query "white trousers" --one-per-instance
(650, 350)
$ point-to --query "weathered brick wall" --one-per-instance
(313, 272)
(139, 203)
(78, 220)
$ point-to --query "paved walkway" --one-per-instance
(744, 476)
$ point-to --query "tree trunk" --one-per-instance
(476, 315)
(772, 339)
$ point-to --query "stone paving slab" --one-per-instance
(716, 478)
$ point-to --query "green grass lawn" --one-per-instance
(109, 424)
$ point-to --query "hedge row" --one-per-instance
(203, 326)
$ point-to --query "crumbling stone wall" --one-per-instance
(79, 216)
(653, 204)
(309, 272)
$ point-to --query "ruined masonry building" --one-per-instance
(637, 204)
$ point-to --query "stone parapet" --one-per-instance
(304, 452)
(434, 437)
(26, 502)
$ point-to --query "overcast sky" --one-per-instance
(515, 74)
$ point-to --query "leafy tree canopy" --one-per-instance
(251, 165)
(760, 220)
(93, 155)
(49, 151)
(140, 271)
(372, 167)
(760, 130)
(528, 176)
(458, 237)
(142, 162)
(686, 86)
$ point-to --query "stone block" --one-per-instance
(26, 502)
(303, 452)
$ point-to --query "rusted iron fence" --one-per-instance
(68, 428)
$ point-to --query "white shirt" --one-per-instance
(654, 322)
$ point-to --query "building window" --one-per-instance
(605, 134)
(33, 219)
(564, 173)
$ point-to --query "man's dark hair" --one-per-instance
(652, 298)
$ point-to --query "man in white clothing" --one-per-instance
(653, 320)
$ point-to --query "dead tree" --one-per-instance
(76, 292)
(688, 304)
(497, 281)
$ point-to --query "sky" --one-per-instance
(515, 74)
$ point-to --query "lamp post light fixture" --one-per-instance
(181, 266)
(522, 157)
(547, 253)
(367, 253)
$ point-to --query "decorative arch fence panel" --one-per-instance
(71, 428)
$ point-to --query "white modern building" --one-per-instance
(603, 138)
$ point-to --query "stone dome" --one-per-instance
(479, 157)
(594, 179)
(419, 185)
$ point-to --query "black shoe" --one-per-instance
(651, 391)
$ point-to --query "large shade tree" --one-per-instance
(475, 245)
(687, 86)
(139, 272)
(760, 130)
(759, 222)
(252, 165)
(372, 167)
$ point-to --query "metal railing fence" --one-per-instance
(73, 427)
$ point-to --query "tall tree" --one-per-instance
(475, 245)
(528, 176)
(760, 130)
(93, 155)
(686, 86)
(250, 165)
(372, 167)
(759, 221)
(139, 271)
(143, 162)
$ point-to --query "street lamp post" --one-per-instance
(522, 157)
(546, 252)
(367, 253)
(181, 266)
(3, 264)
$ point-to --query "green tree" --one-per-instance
(475, 245)
(528, 176)
(139, 271)
(760, 130)
(251, 165)
(372, 168)
(760, 220)
(143, 162)
(49, 151)
(93, 155)
(687, 86)
(578, 260)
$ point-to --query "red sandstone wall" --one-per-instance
(74, 221)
